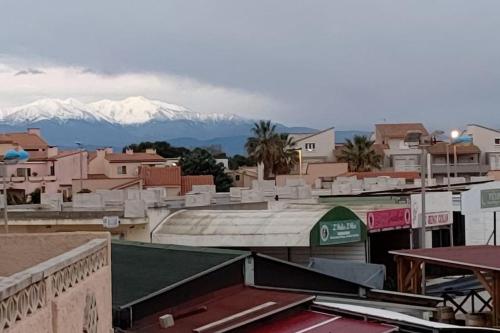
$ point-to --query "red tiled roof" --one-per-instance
(133, 158)
(167, 176)
(25, 140)
(392, 174)
(218, 311)
(478, 256)
(187, 182)
(398, 130)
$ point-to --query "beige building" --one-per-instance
(55, 283)
(244, 176)
(316, 147)
(488, 141)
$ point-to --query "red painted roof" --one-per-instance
(229, 307)
(479, 256)
(317, 322)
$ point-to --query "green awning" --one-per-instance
(339, 225)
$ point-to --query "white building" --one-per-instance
(488, 141)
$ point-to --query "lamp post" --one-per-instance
(79, 144)
(454, 136)
(10, 157)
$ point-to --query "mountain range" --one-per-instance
(131, 120)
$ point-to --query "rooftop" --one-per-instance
(222, 310)
(392, 174)
(132, 262)
(398, 130)
(24, 139)
(479, 256)
(135, 157)
(440, 149)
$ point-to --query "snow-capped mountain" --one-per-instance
(132, 120)
(130, 111)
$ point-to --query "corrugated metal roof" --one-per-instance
(237, 228)
(141, 269)
(479, 256)
(317, 322)
(224, 310)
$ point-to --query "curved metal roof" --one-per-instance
(239, 228)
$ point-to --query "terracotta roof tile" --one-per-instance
(398, 130)
(440, 149)
(135, 157)
(168, 176)
(25, 140)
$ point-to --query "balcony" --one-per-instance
(407, 167)
(49, 178)
(35, 178)
(17, 179)
(461, 168)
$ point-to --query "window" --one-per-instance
(23, 172)
(310, 146)
(497, 141)
(52, 170)
(122, 170)
(237, 177)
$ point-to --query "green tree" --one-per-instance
(163, 148)
(237, 161)
(201, 162)
(360, 155)
(270, 148)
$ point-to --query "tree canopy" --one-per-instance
(163, 148)
(201, 162)
(360, 155)
(274, 150)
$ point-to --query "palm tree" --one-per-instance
(271, 149)
(360, 155)
(285, 157)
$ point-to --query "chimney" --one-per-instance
(129, 151)
(151, 151)
(108, 150)
(52, 151)
(100, 153)
(35, 131)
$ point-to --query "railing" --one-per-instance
(28, 291)
(407, 167)
(460, 168)
(472, 298)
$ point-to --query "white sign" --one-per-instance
(438, 219)
(437, 206)
(111, 222)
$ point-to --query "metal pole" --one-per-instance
(495, 228)
(300, 162)
(422, 229)
(448, 166)
(5, 215)
(455, 160)
(81, 169)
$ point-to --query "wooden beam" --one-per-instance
(403, 267)
(496, 299)
(484, 281)
(414, 270)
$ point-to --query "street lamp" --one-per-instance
(10, 157)
(79, 144)
(454, 135)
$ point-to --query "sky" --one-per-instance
(315, 63)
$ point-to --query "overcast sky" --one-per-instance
(347, 63)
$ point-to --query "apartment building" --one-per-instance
(398, 156)
(47, 169)
(488, 141)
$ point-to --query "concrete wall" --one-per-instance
(485, 139)
(315, 171)
(68, 168)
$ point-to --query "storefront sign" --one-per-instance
(379, 220)
(438, 219)
(490, 198)
(339, 232)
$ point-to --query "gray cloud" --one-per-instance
(345, 63)
(29, 71)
